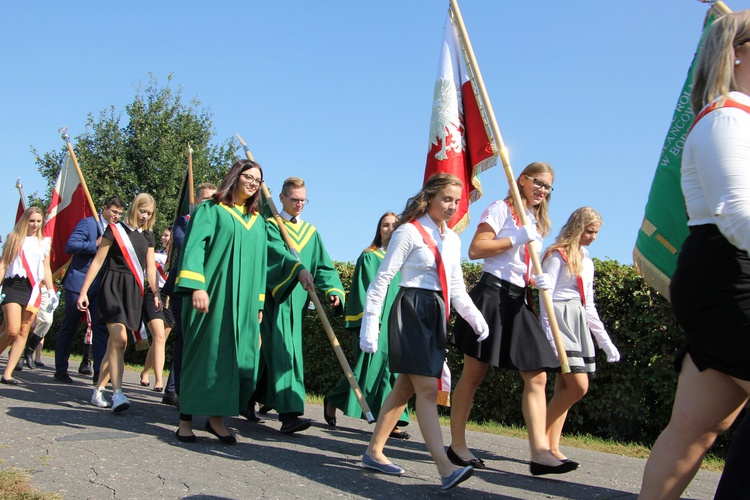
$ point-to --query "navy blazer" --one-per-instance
(82, 246)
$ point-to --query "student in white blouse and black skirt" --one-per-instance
(710, 289)
(428, 254)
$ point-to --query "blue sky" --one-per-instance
(340, 93)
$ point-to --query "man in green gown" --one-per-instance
(281, 330)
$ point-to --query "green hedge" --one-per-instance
(627, 401)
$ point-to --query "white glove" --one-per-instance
(525, 234)
(53, 300)
(613, 355)
(369, 333)
(543, 281)
(478, 323)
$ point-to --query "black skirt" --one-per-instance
(17, 290)
(120, 299)
(150, 313)
(517, 340)
(417, 332)
(710, 293)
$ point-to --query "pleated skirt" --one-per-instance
(120, 299)
(576, 336)
(417, 332)
(517, 340)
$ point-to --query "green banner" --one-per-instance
(664, 226)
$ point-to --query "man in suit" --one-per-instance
(82, 245)
(203, 192)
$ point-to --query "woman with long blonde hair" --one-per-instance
(517, 340)
(25, 267)
(128, 249)
(571, 273)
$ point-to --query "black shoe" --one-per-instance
(185, 439)
(63, 377)
(295, 424)
(8, 381)
(228, 439)
(28, 360)
(171, 398)
(250, 415)
(477, 463)
(541, 469)
(263, 410)
(399, 434)
(39, 364)
(85, 368)
(330, 420)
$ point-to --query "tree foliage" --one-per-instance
(145, 149)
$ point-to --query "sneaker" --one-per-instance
(97, 399)
(119, 401)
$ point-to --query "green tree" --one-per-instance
(145, 149)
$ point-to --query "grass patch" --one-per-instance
(583, 441)
(15, 484)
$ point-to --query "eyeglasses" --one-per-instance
(539, 184)
(252, 180)
(298, 201)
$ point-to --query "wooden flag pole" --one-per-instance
(545, 295)
(64, 132)
(19, 186)
(315, 300)
(191, 195)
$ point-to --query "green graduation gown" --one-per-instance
(281, 329)
(227, 254)
(372, 371)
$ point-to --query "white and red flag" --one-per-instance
(20, 210)
(69, 204)
(460, 138)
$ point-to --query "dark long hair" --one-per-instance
(226, 191)
(417, 205)
(377, 242)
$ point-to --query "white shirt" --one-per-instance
(716, 172)
(36, 251)
(408, 253)
(509, 265)
(566, 288)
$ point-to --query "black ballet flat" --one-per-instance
(477, 463)
(145, 384)
(329, 419)
(538, 469)
(185, 439)
(8, 381)
(398, 434)
(228, 439)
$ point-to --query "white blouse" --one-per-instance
(509, 265)
(408, 253)
(36, 251)
(716, 172)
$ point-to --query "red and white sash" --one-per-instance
(726, 103)
(36, 290)
(580, 280)
(444, 381)
(128, 251)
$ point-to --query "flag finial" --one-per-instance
(18, 184)
(64, 133)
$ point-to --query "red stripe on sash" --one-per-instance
(727, 103)
(35, 299)
(580, 280)
(438, 262)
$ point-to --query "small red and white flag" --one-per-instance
(69, 205)
(460, 143)
(20, 210)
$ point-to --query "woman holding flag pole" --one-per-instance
(128, 249)
(24, 267)
(428, 255)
